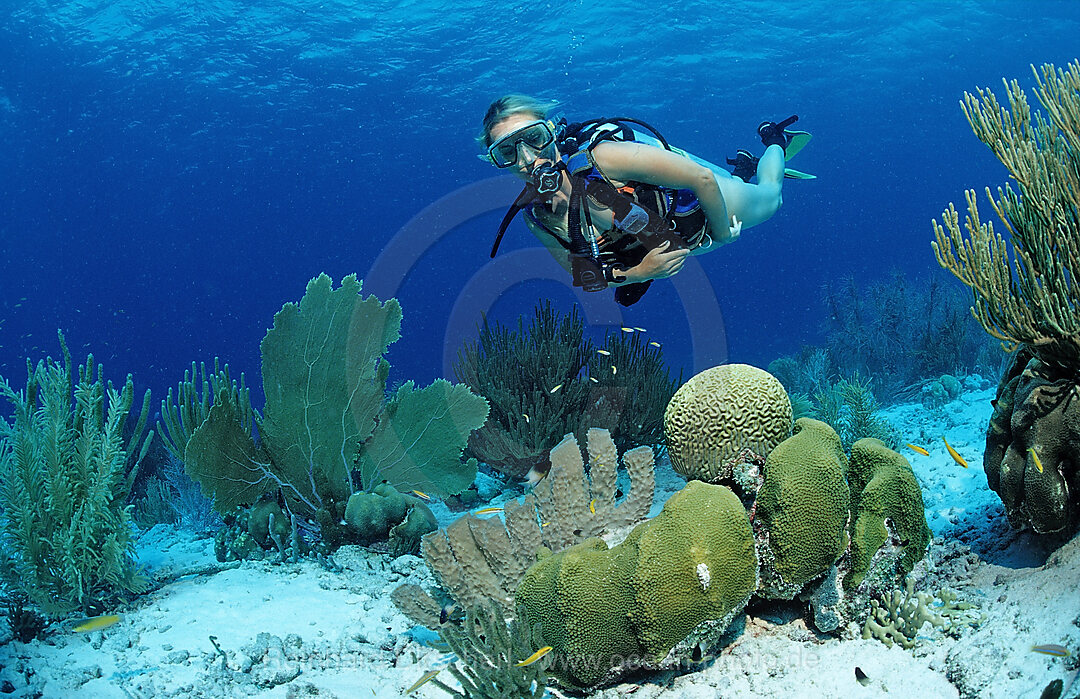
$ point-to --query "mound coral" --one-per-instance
(599, 607)
(1031, 446)
(802, 508)
(889, 520)
(718, 413)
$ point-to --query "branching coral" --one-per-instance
(899, 615)
(1037, 305)
(548, 379)
(65, 474)
(489, 652)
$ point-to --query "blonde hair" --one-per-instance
(511, 104)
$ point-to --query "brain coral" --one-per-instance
(604, 609)
(721, 411)
(803, 506)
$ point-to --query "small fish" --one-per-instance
(445, 612)
(536, 474)
(1053, 649)
(952, 452)
(544, 524)
(488, 510)
(640, 330)
(555, 389)
(592, 506)
(429, 675)
(97, 622)
(614, 369)
(917, 449)
(627, 330)
(534, 657)
(594, 379)
(861, 676)
(654, 343)
(422, 495)
(604, 352)
(1035, 458)
(526, 416)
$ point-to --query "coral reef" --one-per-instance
(802, 508)
(548, 380)
(718, 413)
(1034, 307)
(887, 510)
(600, 608)
(65, 475)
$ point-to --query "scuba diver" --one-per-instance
(620, 207)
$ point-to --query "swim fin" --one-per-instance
(797, 140)
(793, 174)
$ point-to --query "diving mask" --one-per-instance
(537, 135)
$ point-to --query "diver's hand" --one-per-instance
(660, 262)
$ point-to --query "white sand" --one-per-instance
(338, 635)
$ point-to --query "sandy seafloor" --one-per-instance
(298, 630)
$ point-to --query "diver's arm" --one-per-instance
(625, 162)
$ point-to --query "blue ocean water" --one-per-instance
(172, 173)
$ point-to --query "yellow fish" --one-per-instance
(603, 352)
(555, 389)
(422, 495)
(430, 674)
(594, 379)
(920, 450)
(627, 330)
(654, 343)
(488, 510)
(952, 452)
(640, 330)
(526, 416)
(592, 506)
(97, 622)
(1035, 458)
(614, 369)
(534, 657)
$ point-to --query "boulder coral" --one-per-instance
(720, 412)
(802, 508)
(1031, 446)
(603, 610)
(889, 519)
